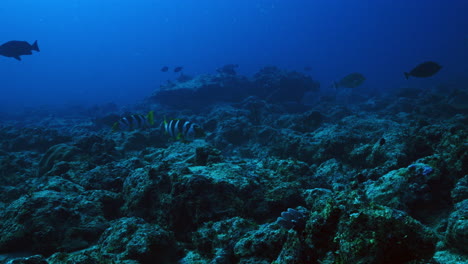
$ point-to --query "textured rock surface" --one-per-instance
(378, 179)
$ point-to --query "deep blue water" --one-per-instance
(112, 50)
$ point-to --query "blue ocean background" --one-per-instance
(104, 51)
(298, 131)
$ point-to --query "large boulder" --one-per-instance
(270, 83)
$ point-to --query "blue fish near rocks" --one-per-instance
(421, 169)
(292, 218)
(15, 49)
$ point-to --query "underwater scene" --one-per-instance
(224, 132)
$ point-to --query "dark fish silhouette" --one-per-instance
(307, 68)
(164, 69)
(423, 70)
(178, 69)
(351, 80)
(15, 49)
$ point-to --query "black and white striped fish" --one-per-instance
(133, 122)
(181, 129)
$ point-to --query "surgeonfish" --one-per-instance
(423, 70)
(181, 129)
(178, 69)
(15, 49)
(136, 121)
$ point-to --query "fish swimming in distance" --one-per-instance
(178, 69)
(15, 49)
(132, 122)
(351, 80)
(424, 70)
(164, 69)
(181, 129)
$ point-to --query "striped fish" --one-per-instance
(133, 122)
(181, 129)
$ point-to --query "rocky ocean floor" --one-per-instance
(372, 179)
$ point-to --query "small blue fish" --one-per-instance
(292, 218)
